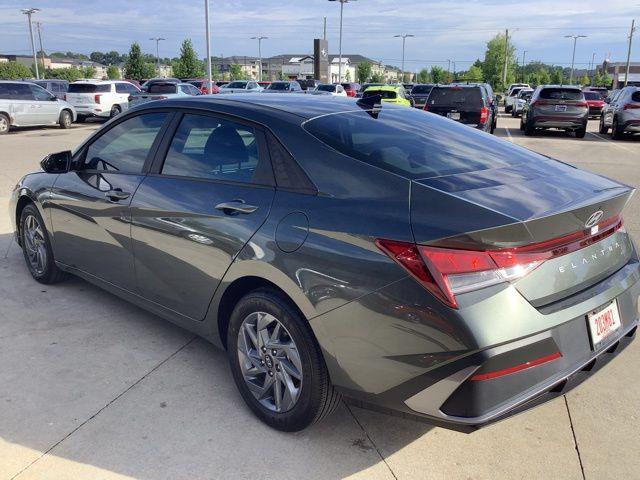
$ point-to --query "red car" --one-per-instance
(201, 85)
(352, 89)
(595, 103)
(264, 84)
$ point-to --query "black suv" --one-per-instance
(420, 93)
(556, 106)
(468, 104)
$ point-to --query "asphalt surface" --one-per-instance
(92, 387)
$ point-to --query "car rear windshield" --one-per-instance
(635, 97)
(421, 89)
(163, 88)
(409, 143)
(237, 85)
(89, 87)
(326, 88)
(515, 91)
(561, 94)
(385, 94)
(197, 83)
(592, 96)
(278, 86)
(455, 97)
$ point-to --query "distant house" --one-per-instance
(617, 70)
(100, 69)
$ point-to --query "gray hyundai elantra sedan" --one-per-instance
(340, 248)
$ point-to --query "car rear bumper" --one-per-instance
(91, 111)
(568, 123)
(595, 111)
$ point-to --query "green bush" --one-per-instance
(14, 71)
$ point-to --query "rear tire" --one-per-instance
(65, 119)
(581, 132)
(81, 119)
(616, 133)
(529, 129)
(115, 111)
(258, 357)
(36, 247)
(603, 129)
(5, 124)
(507, 109)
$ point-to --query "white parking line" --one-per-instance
(616, 144)
(508, 134)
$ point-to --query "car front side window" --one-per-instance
(125, 147)
(214, 148)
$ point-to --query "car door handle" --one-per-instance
(117, 194)
(236, 206)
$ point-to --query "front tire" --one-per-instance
(603, 129)
(277, 364)
(36, 247)
(65, 119)
(616, 133)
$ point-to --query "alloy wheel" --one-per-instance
(4, 124)
(270, 362)
(35, 245)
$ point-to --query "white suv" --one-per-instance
(100, 98)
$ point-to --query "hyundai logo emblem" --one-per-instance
(594, 219)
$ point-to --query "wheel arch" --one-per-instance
(237, 289)
(22, 202)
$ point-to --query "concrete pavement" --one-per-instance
(95, 388)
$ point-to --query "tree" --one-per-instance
(423, 76)
(493, 65)
(188, 65)
(557, 77)
(474, 74)
(437, 74)
(235, 72)
(134, 67)
(70, 74)
(605, 81)
(363, 72)
(88, 72)
(97, 57)
(113, 73)
(377, 78)
(585, 80)
(13, 71)
(347, 76)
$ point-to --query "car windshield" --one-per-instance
(592, 96)
(89, 87)
(415, 145)
(449, 96)
(561, 94)
(278, 86)
(526, 95)
(326, 88)
(163, 88)
(237, 85)
(385, 94)
(422, 89)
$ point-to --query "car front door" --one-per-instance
(210, 189)
(90, 205)
(47, 107)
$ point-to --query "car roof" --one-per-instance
(384, 88)
(303, 106)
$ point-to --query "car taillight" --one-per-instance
(581, 104)
(64, 97)
(631, 106)
(96, 98)
(447, 272)
(540, 102)
(484, 115)
(426, 107)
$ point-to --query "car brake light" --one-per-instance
(581, 104)
(631, 106)
(540, 102)
(517, 368)
(447, 272)
(96, 98)
(484, 114)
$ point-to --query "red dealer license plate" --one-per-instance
(603, 323)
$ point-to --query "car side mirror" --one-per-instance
(57, 162)
(53, 98)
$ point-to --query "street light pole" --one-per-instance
(626, 73)
(38, 25)
(404, 37)
(260, 38)
(524, 54)
(208, 41)
(573, 58)
(28, 12)
(342, 2)
(592, 70)
(157, 40)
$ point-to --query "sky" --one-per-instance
(444, 30)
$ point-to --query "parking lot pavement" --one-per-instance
(94, 387)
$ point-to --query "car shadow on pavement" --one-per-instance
(100, 388)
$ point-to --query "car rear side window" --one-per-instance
(561, 94)
(163, 88)
(415, 145)
(421, 89)
(125, 147)
(89, 88)
(214, 148)
(635, 96)
(15, 91)
(385, 94)
(455, 96)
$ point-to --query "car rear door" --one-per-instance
(46, 105)
(90, 205)
(462, 104)
(22, 103)
(558, 102)
(210, 189)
